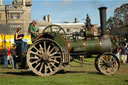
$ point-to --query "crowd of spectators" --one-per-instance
(15, 55)
(120, 48)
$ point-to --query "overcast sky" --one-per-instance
(67, 10)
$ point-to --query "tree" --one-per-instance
(121, 15)
(119, 23)
(110, 23)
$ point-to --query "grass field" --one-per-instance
(72, 75)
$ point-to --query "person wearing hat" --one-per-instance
(33, 30)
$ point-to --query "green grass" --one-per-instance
(74, 75)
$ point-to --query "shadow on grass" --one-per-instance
(22, 73)
(30, 73)
(83, 63)
(87, 72)
(126, 81)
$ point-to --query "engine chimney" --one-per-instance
(102, 11)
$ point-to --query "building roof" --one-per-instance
(43, 23)
(69, 23)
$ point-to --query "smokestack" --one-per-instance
(102, 11)
(45, 18)
(75, 20)
(23, 1)
(1, 2)
(49, 18)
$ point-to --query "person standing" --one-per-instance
(123, 53)
(127, 53)
(13, 57)
(118, 50)
(18, 40)
(5, 55)
(9, 56)
(33, 30)
(21, 46)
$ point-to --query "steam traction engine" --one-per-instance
(51, 51)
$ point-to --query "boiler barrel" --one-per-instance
(91, 46)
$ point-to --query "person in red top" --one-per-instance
(10, 58)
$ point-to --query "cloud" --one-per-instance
(66, 2)
(46, 3)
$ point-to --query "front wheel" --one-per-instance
(107, 64)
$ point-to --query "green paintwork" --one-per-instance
(89, 34)
(77, 46)
(93, 46)
(61, 41)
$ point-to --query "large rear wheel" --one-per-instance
(44, 57)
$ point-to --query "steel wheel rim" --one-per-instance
(44, 59)
(108, 64)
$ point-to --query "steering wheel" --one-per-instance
(56, 29)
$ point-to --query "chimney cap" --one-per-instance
(102, 8)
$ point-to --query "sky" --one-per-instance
(67, 10)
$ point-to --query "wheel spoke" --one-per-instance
(45, 68)
(53, 65)
(107, 58)
(48, 49)
(35, 57)
(110, 58)
(36, 61)
(37, 65)
(41, 67)
(108, 70)
(103, 67)
(55, 57)
(111, 69)
(50, 68)
(52, 49)
(41, 48)
(35, 53)
(45, 47)
(54, 61)
(36, 49)
(53, 54)
(101, 63)
(115, 65)
(103, 59)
